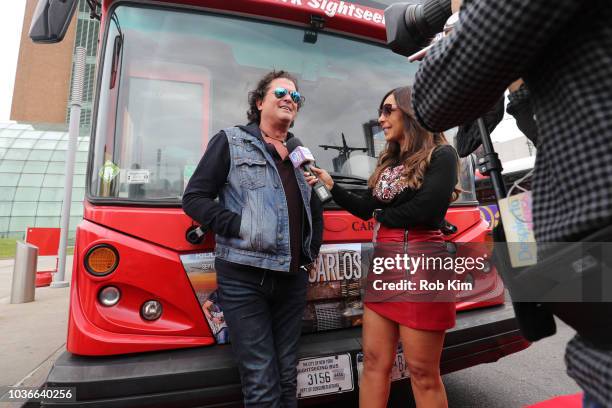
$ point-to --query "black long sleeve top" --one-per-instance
(425, 207)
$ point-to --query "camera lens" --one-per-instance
(411, 26)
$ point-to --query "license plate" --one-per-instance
(324, 375)
(399, 370)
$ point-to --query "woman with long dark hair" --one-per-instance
(409, 192)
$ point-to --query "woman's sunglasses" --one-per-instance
(386, 110)
(295, 95)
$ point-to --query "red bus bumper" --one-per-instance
(208, 376)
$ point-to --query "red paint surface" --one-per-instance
(46, 239)
(43, 279)
(564, 401)
(145, 272)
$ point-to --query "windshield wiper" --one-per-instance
(164, 198)
(346, 179)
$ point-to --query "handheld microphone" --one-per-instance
(302, 157)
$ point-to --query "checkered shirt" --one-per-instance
(563, 51)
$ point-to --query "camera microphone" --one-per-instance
(302, 157)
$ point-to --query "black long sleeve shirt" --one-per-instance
(425, 207)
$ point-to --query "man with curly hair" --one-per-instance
(268, 227)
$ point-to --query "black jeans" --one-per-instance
(264, 321)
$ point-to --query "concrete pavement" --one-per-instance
(32, 334)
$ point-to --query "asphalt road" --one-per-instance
(529, 376)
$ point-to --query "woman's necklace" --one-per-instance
(283, 141)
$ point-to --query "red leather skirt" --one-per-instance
(434, 316)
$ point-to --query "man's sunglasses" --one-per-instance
(295, 95)
(387, 109)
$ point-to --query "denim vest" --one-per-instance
(254, 190)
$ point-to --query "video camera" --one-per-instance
(412, 25)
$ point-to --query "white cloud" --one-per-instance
(11, 21)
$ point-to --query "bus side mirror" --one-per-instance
(51, 20)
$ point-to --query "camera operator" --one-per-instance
(563, 51)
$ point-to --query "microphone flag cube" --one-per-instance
(300, 155)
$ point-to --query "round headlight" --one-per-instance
(109, 296)
(101, 260)
(151, 310)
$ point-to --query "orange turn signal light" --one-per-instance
(101, 260)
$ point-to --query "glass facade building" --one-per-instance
(32, 160)
(32, 156)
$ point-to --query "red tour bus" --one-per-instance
(144, 327)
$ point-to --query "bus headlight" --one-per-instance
(109, 296)
(151, 310)
(101, 260)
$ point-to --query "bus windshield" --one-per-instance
(171, 79)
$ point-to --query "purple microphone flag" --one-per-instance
(300, 155)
